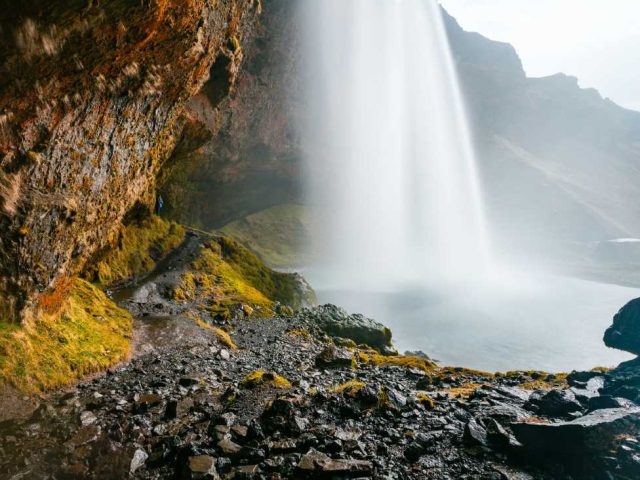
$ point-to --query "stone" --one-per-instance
(138, 460)
(554, 403)
(88, 418)
(189, 381)
(336, 322)
(595, 432)
(334, 357)
(624, 333)
(201, 467)
(317, 461)
(229, 447)
(178, 408)
(474, 434)
(146, 401)
(602, 402)
(228, 419)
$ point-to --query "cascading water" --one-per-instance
(392, 182)
(391, 171)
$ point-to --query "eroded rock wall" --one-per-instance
(92, 97)
(241, 153)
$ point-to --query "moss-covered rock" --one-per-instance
(88, 334)
(137, 250)
(336, 322)
(226, 275)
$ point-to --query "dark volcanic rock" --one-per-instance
(596, 432)
(336, 322)
(334, 357)
(554, 403)
(624, 334)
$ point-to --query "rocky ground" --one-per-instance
(292, 402)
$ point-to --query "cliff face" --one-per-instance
(241, 154)
(92, 99)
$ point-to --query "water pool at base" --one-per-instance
(556, 324)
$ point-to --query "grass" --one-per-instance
(88, 334)
(226, 274)
(371, 357)
(349, 389)
(464, 390)
(278, 234)
(139, 246)
(262, 377)
(543, 382)
(425, 400)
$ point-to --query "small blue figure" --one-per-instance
(159, 204)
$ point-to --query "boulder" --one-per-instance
(201, 467)
(624, 334)
(334, 357)
(596, 432)
(336, 322)
(554, 403)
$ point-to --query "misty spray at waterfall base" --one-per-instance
(392, 179)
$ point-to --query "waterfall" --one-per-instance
(390, 169)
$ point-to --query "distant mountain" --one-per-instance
(561, 164)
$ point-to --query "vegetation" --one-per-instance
(139, 246)
(350, 388)
(261, 377)
(371, 357)
(425, 400)
(88, 334)
(278, 234)
(227, 274)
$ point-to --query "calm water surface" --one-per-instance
(547, 323)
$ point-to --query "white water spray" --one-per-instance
(390, 162)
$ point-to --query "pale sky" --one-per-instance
(597, 41)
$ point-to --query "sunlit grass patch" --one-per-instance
(87, 335)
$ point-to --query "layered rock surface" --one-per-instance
(91, 104)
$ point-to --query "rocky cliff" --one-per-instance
(92, 97)
(243, 154)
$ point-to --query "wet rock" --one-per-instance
(475, 434)
(138, 460)
(200, 467)
(228, 447)
(595, 432)
(336, 322)
(320, 462)
(602, 402)
(334, 357)
(88, 418)
(178, 408)
(554, 403)
(624, 333)
(414, 451)
(189, 381)
(147, 401)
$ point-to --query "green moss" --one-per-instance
(350, 388)
(425, 400)
(278, 234)
(261, 377)
(226, 274)
(89, 334)
(139, 247)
